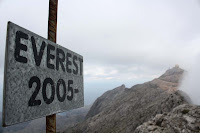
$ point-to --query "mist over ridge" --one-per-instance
(190, 83)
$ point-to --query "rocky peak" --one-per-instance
(170, 79)
(172, 75)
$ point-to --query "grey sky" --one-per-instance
(122, 41)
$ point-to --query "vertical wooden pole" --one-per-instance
(52, 29)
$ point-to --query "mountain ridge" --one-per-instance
(124, 111)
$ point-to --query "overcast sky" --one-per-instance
(122, 41)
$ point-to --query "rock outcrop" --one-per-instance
(122, 110)
(183, 119)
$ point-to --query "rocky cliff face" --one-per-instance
(103, 102)
(183, 119)
(122, 110)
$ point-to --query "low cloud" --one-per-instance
(191, 82)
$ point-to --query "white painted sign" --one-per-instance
(40, 77)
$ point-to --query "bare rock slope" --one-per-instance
(122, 110)
(183, 119)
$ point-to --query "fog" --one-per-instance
(191, 82)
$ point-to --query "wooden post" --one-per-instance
(52, 29)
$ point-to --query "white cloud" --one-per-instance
(119, 39)
(190, 83)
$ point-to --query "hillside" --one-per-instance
(122, 110)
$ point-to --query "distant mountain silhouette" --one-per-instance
(39, 125)
(122, 109)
